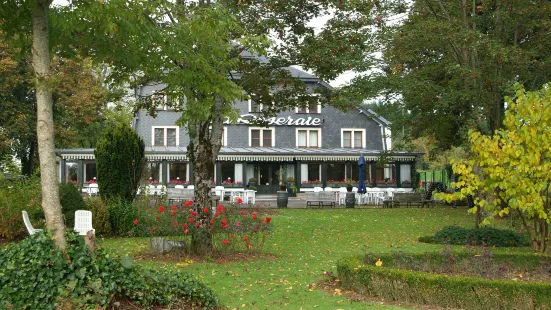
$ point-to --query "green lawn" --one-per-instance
(308, 243)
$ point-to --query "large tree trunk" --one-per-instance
(45, 123)
(205, 143)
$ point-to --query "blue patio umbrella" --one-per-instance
(361, 167)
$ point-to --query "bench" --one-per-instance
(320, 199)
(404, 198)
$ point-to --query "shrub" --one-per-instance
(100, 215)
(71, 200)
(121, 216)
(35, 275)
(456, 292)
(120, 161)
(481, 236)
(15, 196)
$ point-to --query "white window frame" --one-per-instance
(308, 129)
(250, 102)
(163, 106)
(364, 138)
(165, 135)
(318, 109)
(261, 135)
(225, 137)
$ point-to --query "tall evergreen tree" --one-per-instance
(120, 160)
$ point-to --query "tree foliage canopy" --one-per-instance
(452, 62)
(510, 170)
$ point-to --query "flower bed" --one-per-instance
(383, 277)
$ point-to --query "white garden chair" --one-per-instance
(250, 196)
(28, 224)
(342, 195)
(219, 191)
(83, 222)
(191, 186)
(93, 189)
(318, 189)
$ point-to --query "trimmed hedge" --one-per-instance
(440, 290)
(470, 236)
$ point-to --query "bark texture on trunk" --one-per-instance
(45, 123)
(204, 146)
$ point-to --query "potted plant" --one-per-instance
(252, 182)
(391, 183)
(282, 196)
(290, 185)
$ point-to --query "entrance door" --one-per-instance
(268, 181)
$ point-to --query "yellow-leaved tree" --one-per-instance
(511, 170)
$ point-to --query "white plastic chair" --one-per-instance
(151, 190)
(191, 186)
(250, 196)
(342, 195)
(93, 189)
(28, 224)
(83, 222)
(238, 194)
(328, 189)
(179, 186)
(219, 191)
(318, 189)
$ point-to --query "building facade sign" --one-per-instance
(277, 121)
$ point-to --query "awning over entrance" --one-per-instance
(256, 154)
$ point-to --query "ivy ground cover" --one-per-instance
(308, 243)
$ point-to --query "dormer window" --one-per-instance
(254, 107)
(313, 107)
(165, 136)
(159, 99)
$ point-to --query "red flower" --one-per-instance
(206, 210)
(197, 224)
(148, 228)
(242, 212)
(173, 208)
(136, 222)
(224, 221)
(184, 225)
(239, 200)
(175, 224)
(193, 213)
(268, 219)
(225, 242)
(220, 208)
(157, 217)
(186, 231)
(226, 226)
(245, 238)
(231, 236)
(216, 214)
(161, 209)
(212, 221)
(188, 203)
(173, 213)
(191, 220)
(254, 216)
(237, 224)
